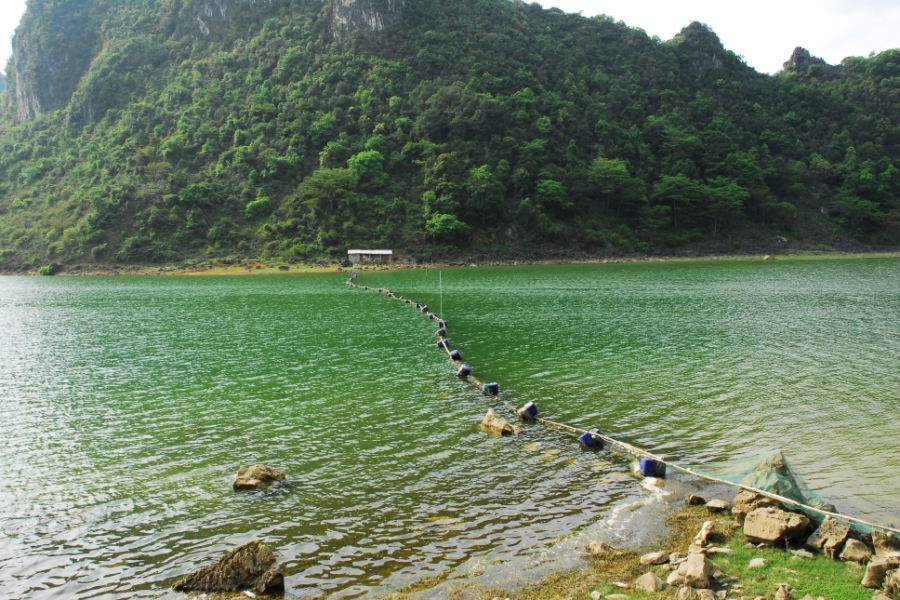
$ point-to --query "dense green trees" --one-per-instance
(466, 123)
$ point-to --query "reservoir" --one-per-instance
(127, 404)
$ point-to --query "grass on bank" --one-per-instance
(818, 577)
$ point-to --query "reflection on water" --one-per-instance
(128, 404)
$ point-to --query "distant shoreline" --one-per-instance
(266, 267)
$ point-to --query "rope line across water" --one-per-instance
(478, 384)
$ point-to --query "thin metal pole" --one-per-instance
(441, 280)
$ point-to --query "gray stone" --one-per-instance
(495, 424)
(803, 554)
(676, 558)
(706, 595)
(649, 582)
(692, 500)
(616, 597)
(257, 477)
(758, 563)
(771, 525)
(675, 578)
(829, 538)
(717, 506)
(654, 558)
(715, 550)
(251, 566)
(856, 551)
(595, 595)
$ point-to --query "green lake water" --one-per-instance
(128, 403)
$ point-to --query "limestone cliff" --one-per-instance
(804, 63)
(52, 48)
(363, 16)
(207, 16)
(703, 48)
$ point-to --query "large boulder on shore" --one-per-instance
(493, 423)
(696, 571)
(856, 551)
(829, 538)
(772, 526)
(257, 477)
(248, 567)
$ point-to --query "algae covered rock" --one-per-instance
(495, 424)
(252, 566)
(257, 477)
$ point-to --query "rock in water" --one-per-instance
(829, 537)
(494, 423)
(257, 477)
(855, 551)
(251, 566)
(649, 583)
(770, 525)
(692, 500)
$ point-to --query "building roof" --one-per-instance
(370, 251)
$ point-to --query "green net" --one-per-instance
(770, 472)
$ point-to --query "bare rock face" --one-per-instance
(251, 566)
(703, 48)
(804, 63)
(363, 16)
(494, 423)
(746, 502)
(257, 477)
(771, 525)
(829, 538)
(655, 558)
(855, 551)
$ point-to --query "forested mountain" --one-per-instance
(150, 130)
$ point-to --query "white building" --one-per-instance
(367, 256)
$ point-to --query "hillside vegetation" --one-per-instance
(154, 130)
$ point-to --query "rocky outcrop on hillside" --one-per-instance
(52, 47)
(804, 63)
(210, 15)
(363, 16)
(703, 47)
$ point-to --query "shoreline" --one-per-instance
(250, 267)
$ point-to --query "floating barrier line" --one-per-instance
(477, 384)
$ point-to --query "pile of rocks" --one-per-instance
(768, 523)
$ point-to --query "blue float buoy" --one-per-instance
(588, 438)
(491, 389)
(455, 355)
(443, 344)
(442, 333)
(652, 468)
(432, 316)
(418, 305)
(529, 411)
(367, 287)
(463, 371)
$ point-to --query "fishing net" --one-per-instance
(770, 472)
